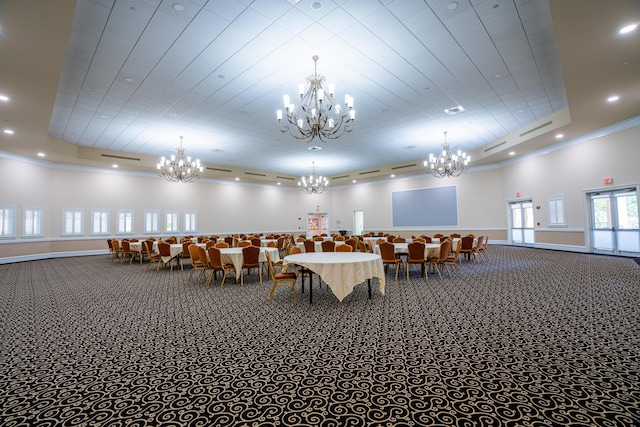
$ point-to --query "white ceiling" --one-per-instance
(137, 74)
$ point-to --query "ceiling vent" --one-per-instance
(402, 167)
(536, 128)
(368, 172)
(286, 177)
(111, 156)
(454, 110)
(219, 170)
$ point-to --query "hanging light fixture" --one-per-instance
(447, 163)
(179, 168)
(313, 184)
(316, 114)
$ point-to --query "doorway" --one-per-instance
(614, 222)
(358, 223)
(317, 224)
(521, 218)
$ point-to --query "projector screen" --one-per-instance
(425, 207)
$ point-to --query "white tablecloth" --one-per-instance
(318, 245)
(234, 256)
(341, 271)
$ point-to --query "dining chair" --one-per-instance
(250, 259)
(309, 246)
(196, 263)
(476, 251)
(328, 246)
(455, 235)
(210, 243)
(255, 241)
(399, 240)
(147, 248)
(295, 250)
(116, 249)
(454, 258)
(388, 254)
(416, 257)
(221, 245)
(445, 249)
(186, 254)
(164, 249)
(467, 247)
(229, 241)
(483, 250)
(204, 260)
(126, 251)
(339, 238)
(344, 248)
(318, 239)
(215, 262)
(110, 247)
(243, 243)
(362, 246)
(352, 242)
(281, 279)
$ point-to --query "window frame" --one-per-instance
(37, 222)
(175, 228)
(190, 222)
(105, 219)
(126, 212)
(557, 208)
(8, 232)
(150, 215)
(81, 213)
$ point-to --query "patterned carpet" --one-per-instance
(528, 338)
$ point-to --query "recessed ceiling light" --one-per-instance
(354, 181)
(279, 183)
(613, 98)
(178, 7)
(393, 176)
(314, 148)
(114, 166)
(317, 5)
(129, 80)
(628, 28)
(454, 110)
(512, 153)
(8, 131)
(237, 179)
(41, 154)
(4, 98)
(452, 6)
(559, 135)
(497, 75)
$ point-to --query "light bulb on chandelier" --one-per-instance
(313, 184)
(447, 163)
(316, 114)
(179, 168)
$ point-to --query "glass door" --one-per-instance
(614, 222)
(521, 218)
(358, 223)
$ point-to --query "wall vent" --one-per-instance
(495, 146)
(219, 170)
(286, 177)
(368, 172)
(340, 177)
(111, 156)
(536, 128)
(402, 167)
(254, 174)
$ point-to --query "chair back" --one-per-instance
(352, 242)
(255, 241)
(272, 245)
(443, 238)
(362, 247)
(221, 245)
(344, 248)
(164, 249)
(399, 240)
(244, 243)
(339, 238)
(467, 243)
(328, 246)
(214, 257)
(478, 245)
(202, 256)
(387, 251)
(456, 236)
(309, 246)
(147, 247)
(419, 240)
(251, 256)
(125, 246)
(110, 244)
(295, 250)
(318, 239)
(194, 254)
(186, 253)
(445, 249)
(272, 274)
(416, 251)
(229, 241)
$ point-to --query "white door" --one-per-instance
(614, 222)
(358, 223)
(521, 219)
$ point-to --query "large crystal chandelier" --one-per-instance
(316, 114)
(313, 184)
(179, 168)
(447, 163)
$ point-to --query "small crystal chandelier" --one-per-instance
(179, 168)
(313, 184)
(447, 163)
(316, 114)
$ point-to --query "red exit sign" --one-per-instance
(608, 180)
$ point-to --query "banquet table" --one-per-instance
(234, 256)
(341, 271)
(317, 245)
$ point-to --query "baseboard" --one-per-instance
(34, 257)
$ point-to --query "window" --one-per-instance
(7, 221)
(124, 222)
(32, 222)
(151, 222)
(99, 221)
(171, 222)
(557, 217)
(190, 224)
(72, 221)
